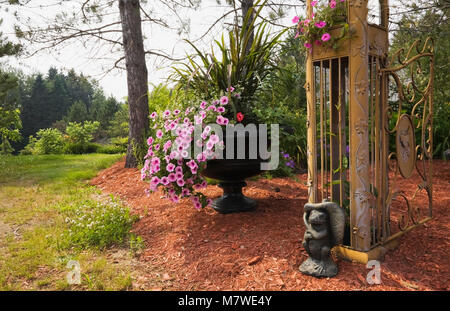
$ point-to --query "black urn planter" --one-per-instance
(232, 174)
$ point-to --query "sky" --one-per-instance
(79, 56)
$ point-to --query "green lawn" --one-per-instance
(39, 195)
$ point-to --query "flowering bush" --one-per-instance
(98, 224)
(316, 30)
(169, 163)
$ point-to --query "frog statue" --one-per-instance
(325, 224)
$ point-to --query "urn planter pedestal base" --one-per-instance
(231, 175)
(233, 201)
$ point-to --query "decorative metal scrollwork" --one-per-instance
(409, 118)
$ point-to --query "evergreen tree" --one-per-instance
(35, 108)
(9, 112)
(78, 112)
(59, 100)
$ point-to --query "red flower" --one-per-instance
(239, 116)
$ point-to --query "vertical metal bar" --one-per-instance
(384, 156)
(430, 103)
(378, 131)
(371, 141)
(321, 132)
(326, 128)
(341, 186)
(335, 139)
(343, 111)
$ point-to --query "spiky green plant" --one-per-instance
(243, 63)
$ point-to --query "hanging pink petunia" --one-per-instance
(321, 24)
(326, 37)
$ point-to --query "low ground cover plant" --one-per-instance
(98, 224)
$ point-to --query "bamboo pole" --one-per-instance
(311, 123)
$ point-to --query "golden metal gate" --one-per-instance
(370, 132)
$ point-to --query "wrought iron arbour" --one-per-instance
(360, 104)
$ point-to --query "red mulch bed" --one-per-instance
(261, 250)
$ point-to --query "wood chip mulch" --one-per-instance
(261, 250)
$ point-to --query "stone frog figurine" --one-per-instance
(325, 224)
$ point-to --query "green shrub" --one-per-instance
(48, 141)
(118, 125)
(81, 133)
(110, 149)
(77, 148)
(96, 224)
(137, 244)
(28, 150)
(121, 142)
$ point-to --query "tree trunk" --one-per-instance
(246, 5)
(137, 80)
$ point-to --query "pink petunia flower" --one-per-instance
(185, 192)
(191, 164)
(214, 138)
(180, 182)
(224, 100)
(314, 3)
(174, 198)
(178, 175)
(167, 145)
(332, 4)
(295, 20)
(326, 37)
(198, 205)
(321, 24)
(172, 177)
(184, 154)
(173, 154)
(170, 167)
(307, 45)
(159, 133)
(209, 145)
(201, 157)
